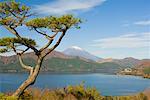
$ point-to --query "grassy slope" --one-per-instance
(65, 65)
(147, 70)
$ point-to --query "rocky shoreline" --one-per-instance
(134, 74)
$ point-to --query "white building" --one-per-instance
(127, 70)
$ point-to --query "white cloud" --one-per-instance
(66, 6)
(143, 23)
(137, 23)
(126, 25)
(124, 41)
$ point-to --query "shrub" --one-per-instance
(78, 92)
(5, 97)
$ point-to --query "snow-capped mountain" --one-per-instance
(77, 51)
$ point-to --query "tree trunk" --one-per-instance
(30, 80)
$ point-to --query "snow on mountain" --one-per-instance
(77, 48)
(77, 51)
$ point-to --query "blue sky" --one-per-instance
(110, 28)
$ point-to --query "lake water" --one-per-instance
(107, 84)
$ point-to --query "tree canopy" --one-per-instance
(14, 15)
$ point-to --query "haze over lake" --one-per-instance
(106, 84)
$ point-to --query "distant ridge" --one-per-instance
(57, 62)
(78, 60)
(13, 58)
(126, 62)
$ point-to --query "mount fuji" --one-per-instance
(79, 52)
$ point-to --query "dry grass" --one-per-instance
(147, 93)
(78, 92)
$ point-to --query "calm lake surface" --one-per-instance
(107, 84)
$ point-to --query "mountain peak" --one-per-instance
(79, 52)
(76, 47)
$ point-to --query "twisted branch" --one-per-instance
(25, 66)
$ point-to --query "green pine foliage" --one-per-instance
(14, 14)
(54, 23)
(8, 43)
(11, 12)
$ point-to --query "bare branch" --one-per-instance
(57, 43)
(53, 36)
(42, 33)
(46, 46)
(14, 49)
(24, 51)
(20, 58)
(49, 42)
(25, 66)
(50, 38)
(20, 51)
(13, 31)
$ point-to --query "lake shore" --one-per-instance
(147, 76)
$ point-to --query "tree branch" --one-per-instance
(49, 42)
(46, 46)
(25, 66)
(57, 43)
(13, 31)
(50, 38)
(20, 21)
(24, 51)
(20, 59)
(42, 33)
(14, 49)
(11, 11)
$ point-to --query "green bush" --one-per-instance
(5, 97)
(78, 92)
(139, 96)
